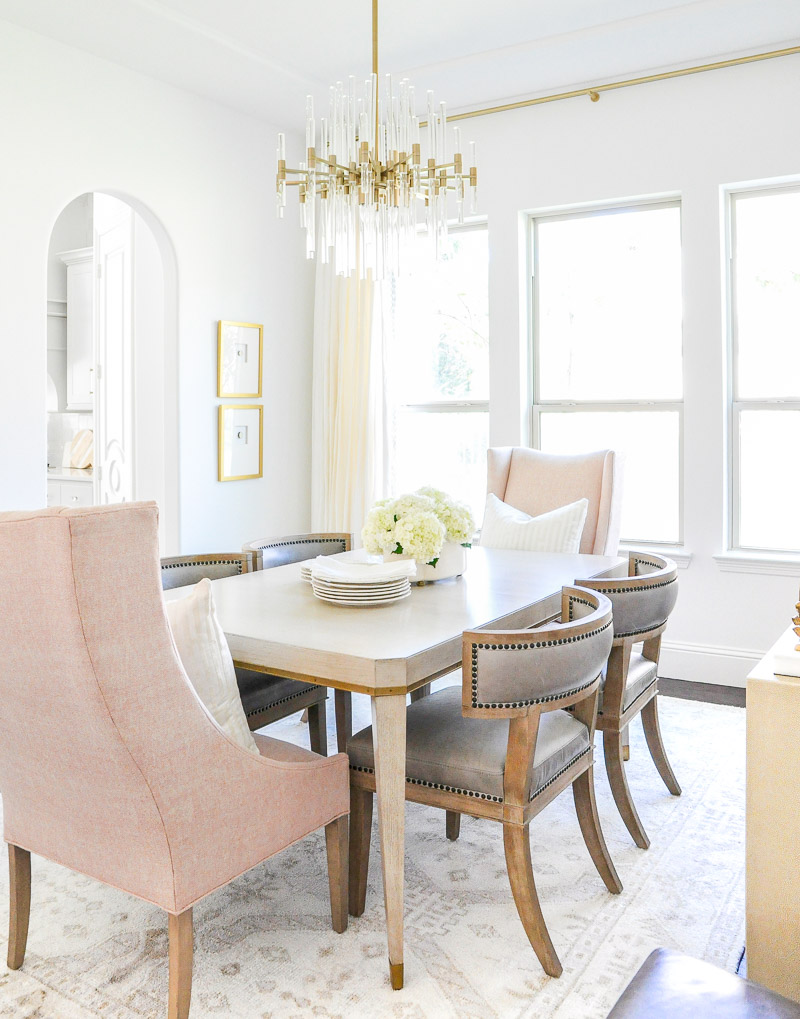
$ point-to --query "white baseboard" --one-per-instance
(707, 663)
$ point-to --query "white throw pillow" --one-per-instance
(559, 530)
(207, 661)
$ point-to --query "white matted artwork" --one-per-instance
(239, 355)
(240, 441)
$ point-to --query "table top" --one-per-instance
(273, 621)
(772, 668)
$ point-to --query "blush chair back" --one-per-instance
(537, 482)
(109, 763)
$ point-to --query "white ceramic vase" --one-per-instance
(452, 562)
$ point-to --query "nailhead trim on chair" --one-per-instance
(524, 647)
(581, 601)
(303, 541)
(203, 562)
(558, 775)
(438, 785)
(637, 588)
(647, 562)
(283, 700)
(470, 792)
(644, 629)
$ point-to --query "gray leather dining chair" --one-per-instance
(265, 698)
(296, 548)
(642, 603)
(501, 747)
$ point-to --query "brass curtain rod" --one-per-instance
(594, 91)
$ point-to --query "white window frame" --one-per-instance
(450, 406)
(736, 405)
(538, 406)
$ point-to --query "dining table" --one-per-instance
(274, 623)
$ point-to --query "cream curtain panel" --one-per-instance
(347, 425)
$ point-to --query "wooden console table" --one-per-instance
(773, 826)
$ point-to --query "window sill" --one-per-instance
(679, 555)
(786, 565)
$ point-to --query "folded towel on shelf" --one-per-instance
(347, 571)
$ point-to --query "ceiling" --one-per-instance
(263, 57)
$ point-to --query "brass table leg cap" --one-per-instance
(396, 975)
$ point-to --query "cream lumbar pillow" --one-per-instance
(207, 661)
(558, 530)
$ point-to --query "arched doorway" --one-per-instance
(112, 359)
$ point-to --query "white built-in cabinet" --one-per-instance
(80, 319)
(69, 493)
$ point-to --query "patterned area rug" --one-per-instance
(264, 947)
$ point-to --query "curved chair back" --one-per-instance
(507, 672)
(182, 570)
(296, 548)
(537, 482)
(643, 600)
(109, 763)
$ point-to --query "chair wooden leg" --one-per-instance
(655, 744)
(318, 728)
(452, 824)
(360, 832)
(626, 744)
(612, 749)
(336, 844)
(304, 716)
(180, 965)
(19, 874)
(516, 841)
(586, 809)
(420, 692)
(343, 703)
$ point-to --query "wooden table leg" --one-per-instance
(389, 742)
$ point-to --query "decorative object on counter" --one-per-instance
(240, 441)
(81, 453)
(427, 526)
(240, 348)
(364, 175)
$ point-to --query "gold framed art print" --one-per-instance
(240, 351)
(240, 437)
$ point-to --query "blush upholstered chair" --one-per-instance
(537, 482)
(642, 602)
(109, 763)
(296, 548)
(501, 747)
(265, 698)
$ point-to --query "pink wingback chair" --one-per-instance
(109, 763)
(537, 482)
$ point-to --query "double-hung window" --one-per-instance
(607, 351)
(437, 368)
(765, 370)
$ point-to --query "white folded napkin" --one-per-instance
(347, 571)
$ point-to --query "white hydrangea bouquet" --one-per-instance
(426, 525)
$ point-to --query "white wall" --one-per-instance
(80, 124)
(688, 136)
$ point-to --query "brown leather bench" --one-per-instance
(674, 986)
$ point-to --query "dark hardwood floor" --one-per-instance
(710, 692)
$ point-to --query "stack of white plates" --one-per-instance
(376, 593)
(358, 579)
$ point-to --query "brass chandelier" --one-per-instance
(364, 183)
